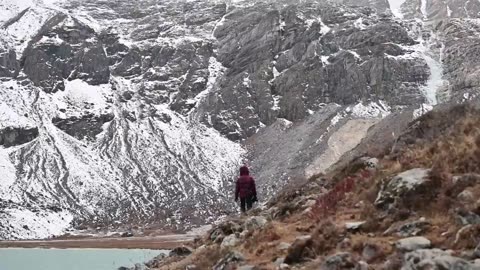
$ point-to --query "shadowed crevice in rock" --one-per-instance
(84, 127)
(12, 136)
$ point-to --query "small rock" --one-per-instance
(465, 217)
(279, 261)
(230, 260)
(126, 234)
(304, 237)
(413, 243)
(345, 243)
(372, 163)
(408, 229)
(230, 241)
(284, 266)
(363, 265)
(354, 226)
(460, 183)
(360, 204)
(310, 203)
(467, 255)
(216, 234)
(255, 223)
(283, 246)
(371, 252)
(247, 267)
(299, 250)
(243, 234)
(466, 196)
(180, 252)
(191, 267)
(127, 95)
(155, 262)
(340, 261)
(476, 252)
(434, 259)
(394, 261)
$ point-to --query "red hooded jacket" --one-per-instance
(245, 185)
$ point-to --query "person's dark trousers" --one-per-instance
(246, 202)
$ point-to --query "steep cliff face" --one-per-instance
(133, 112)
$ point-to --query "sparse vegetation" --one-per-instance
(316, 231)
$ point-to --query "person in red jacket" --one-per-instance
(245, 189)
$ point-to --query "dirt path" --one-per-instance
(144, 242)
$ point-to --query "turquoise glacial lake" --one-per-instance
(73, 259)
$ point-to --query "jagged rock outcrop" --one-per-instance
(9, 66)
(87, 127)
(12, 136)
(436, 259)
(296, 58)
(65, 49)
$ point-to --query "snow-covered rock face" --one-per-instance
(90, 139)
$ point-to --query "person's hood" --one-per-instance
(244, 170)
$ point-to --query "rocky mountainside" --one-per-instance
(415, 206)
(117, 113)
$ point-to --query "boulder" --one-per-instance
(413, 243)
(283, 246)
(401, 185)
(230, 241)
(465, 217)
(299, 250)
(155, 262)
(218, 233)
(354, 226)
(466, 196)
(340, 261)
(371, 252)
(127, 234)
(180, 252)
(434, 259)
(230, 261)
(408, 229)
(461, 182)
(255, 223)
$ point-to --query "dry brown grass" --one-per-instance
(384, 244)
(468, 237)
(449, 146)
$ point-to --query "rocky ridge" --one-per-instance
(410, 208)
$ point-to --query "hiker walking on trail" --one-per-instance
(245, 190)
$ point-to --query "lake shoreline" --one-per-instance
(137, 242)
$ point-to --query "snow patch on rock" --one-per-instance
(25, 224)
(396, 7)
